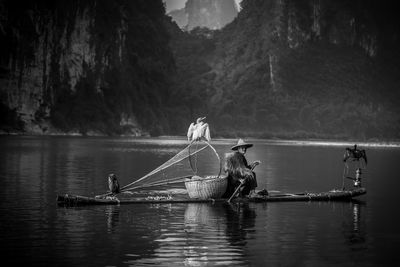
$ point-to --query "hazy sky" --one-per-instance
(178, 4)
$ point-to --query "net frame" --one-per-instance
(174, 160)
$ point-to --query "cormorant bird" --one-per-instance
(113, 184)
(199, 130)
(354, 154)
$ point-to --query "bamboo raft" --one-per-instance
(124, 198)
(198, 189)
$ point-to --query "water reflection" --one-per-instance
(355, 231)
(201, 234)
(241, 220)
(207, 235)
(356, 217)
(112, 213)
(200, 221)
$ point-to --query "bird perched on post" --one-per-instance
(355, 154)
(199, 130)
(113, 184)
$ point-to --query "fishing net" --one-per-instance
(198, 158)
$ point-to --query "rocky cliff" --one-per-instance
(281, 68)
(84, 66)
(303, 69)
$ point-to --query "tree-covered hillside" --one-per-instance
(282, 68)
(298, 69)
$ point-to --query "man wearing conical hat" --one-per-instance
(239, 171)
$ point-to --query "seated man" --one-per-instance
(239, 172)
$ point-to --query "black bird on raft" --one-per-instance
(354, 154)
(113, 184)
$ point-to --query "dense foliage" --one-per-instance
(268, 75)
(285, 69)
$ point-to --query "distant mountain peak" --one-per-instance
(212, 14)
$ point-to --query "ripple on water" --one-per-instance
(196, 236)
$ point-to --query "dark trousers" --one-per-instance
(250, 183)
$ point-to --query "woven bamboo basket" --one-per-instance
(206, 187)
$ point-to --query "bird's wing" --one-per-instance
(202, 131)
(190, 131)
(207, 133)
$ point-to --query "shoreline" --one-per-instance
(228, 140)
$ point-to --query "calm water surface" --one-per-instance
(34, 231)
